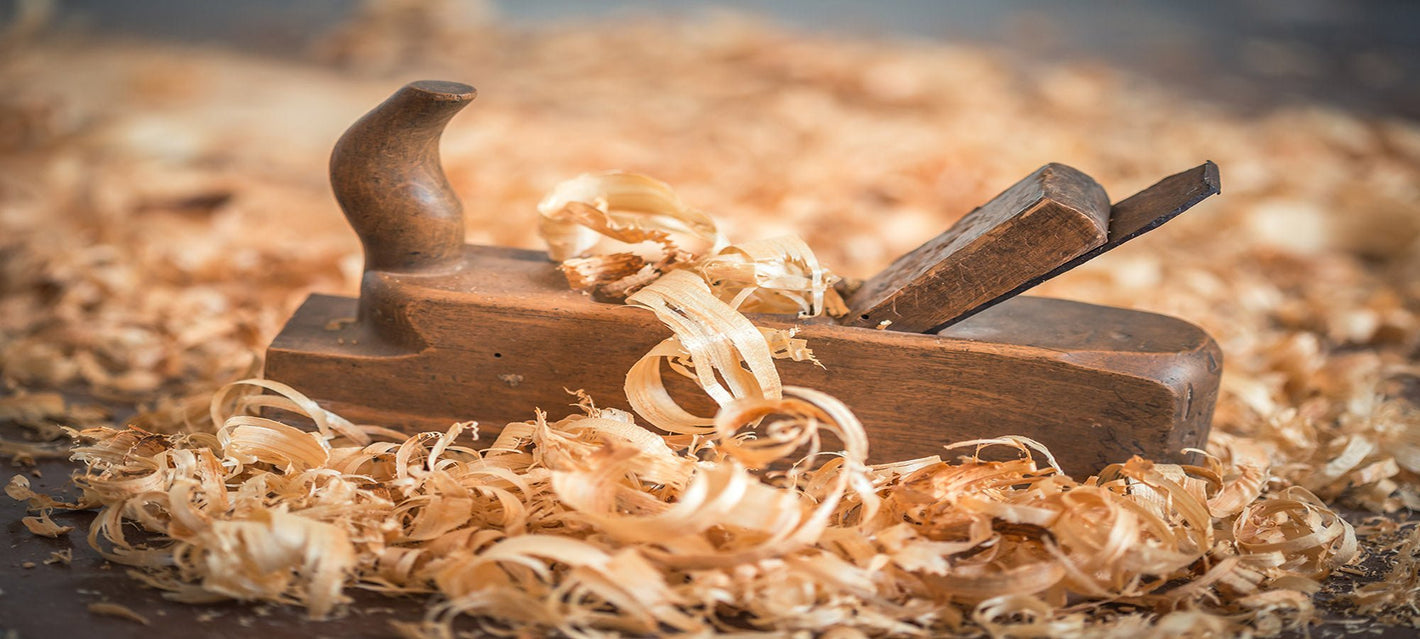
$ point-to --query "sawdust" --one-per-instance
(60, 557)
(117, 610)
(164, 209)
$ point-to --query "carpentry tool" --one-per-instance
(445, 331)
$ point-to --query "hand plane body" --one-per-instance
(445, 331)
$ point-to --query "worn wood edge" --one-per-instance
(926, 287)
(1135, 215)
(1129, 218)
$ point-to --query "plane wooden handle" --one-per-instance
(388, 179)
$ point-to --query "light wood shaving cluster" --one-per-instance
(163, 209)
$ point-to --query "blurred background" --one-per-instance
(1253, 53)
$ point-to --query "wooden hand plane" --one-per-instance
(445, 331)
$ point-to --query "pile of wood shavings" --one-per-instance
(146, 197)
(595, 523)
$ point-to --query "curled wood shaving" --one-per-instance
(613, 275)
(702, 302)
(726, 355)
(626, 207)
(1300, 532)
(43, 526)
(779, 275)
